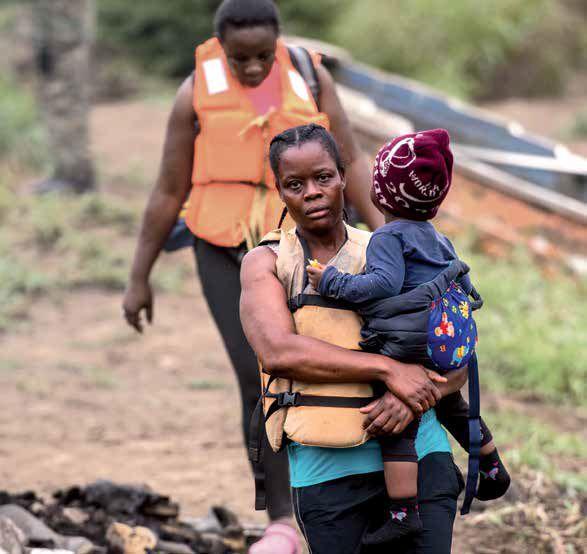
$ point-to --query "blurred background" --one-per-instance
(83, 397)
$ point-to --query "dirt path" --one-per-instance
(85, 398)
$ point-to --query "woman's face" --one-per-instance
(250, 52)
(311, 187)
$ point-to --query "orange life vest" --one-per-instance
(233, 196)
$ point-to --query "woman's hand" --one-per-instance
(414, 385)
(315, 271)
(138, 296)
(386, 415)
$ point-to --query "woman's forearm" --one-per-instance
(314, 361)
(173, 183)
(160, 216)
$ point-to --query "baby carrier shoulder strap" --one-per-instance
(474, 435)
(304, 299)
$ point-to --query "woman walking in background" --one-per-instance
(245, 89)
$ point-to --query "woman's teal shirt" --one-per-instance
(310, 465)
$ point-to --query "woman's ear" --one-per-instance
(342, 174)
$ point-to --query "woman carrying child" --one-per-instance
(339, 494)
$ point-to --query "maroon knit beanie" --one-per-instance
(412, 174)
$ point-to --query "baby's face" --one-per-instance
(374, 200)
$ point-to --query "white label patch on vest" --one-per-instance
(299, 85)
(215, 76)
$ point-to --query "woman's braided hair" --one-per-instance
(296, 137)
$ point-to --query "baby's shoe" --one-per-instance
(403, 521)
(494, 480)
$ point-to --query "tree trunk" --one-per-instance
(64, 32)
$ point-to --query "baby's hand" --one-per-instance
(315, 270)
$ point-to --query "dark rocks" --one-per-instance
(108, 517)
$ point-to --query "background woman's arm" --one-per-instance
(358, 172)
(165, 202)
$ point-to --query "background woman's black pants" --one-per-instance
(219, 271)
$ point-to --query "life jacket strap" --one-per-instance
(255, 452)
(297, 399)
(301, 300)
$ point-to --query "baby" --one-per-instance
(411, 178)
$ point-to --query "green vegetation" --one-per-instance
(56, 243)
(22, 141)
(161, 36)
(529, 442)
(531, 329)
(578, 129)
(464, 47)
(206, 384)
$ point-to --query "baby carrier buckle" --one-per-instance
(288, 399)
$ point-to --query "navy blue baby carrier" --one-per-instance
(433, 325)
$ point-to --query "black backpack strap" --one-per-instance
(302, 61)
(255, 451)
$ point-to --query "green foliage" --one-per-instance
(578, 129)
(19, 283)
(460, 46)
(206, 384)
(160, 36)
(531, 329)
(22, 140)
(529, 442)
(55, 243)
(465, 47)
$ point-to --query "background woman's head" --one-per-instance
(309, 173)
(248, 31)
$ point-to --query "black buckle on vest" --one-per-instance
(287, 399)
(294, 303)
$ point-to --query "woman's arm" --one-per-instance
(270, 330)
(358, 173)
(164, 205)
(389, 415)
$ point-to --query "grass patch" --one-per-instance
(20, 282)
(9, 365)
(578, 129)
(528, 443)
(206, 384)
(22, 138)
(531, 328)
(100, 378)
(57, 243)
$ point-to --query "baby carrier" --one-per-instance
(433, 325)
